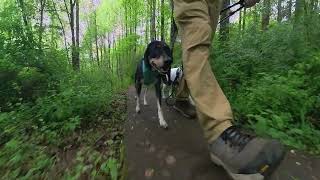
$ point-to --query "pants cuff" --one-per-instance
(218, 130)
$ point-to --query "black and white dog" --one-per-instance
(154, 69)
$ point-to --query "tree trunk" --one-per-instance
(298, 12)
(105, 51)
(96, 37)
(77, 54)
(244, 19)
(147, 31)
(101, 52)
(313, 6)
(266, 14)
(162, 20)
(29, 35)
(41, 29)
(256, 16)
(279, 12)
(153, 33)
(126, 18)
(62, 28)
(174, 28)
(224, 25)
(240, 20)
(73, 39)
(135, 32)
(109, 52)
(289, 9)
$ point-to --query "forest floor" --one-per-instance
(180, 152)
(82, 154)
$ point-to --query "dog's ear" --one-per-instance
(150, 46)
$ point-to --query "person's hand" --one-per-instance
(250, 3)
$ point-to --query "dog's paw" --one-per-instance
(138, 110)
(145, 103)
(164, 125)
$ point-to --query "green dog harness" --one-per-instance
(149, 76)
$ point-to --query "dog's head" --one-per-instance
(158, 56)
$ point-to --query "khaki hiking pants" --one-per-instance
(197, 21)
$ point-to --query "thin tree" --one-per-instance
(173, 29)
(244, 19)
(162, 20)
(76, 62)
(299, 8)
(41, 28)
(224, 25)
(96, 35)
(240, 20)
(55, 11)
(266, 14)
(28, 28)
(153, 33)
(74, 45)
(279, 11)
(289, 11)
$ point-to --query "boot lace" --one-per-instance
(236, 138)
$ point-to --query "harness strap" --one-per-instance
(177, 76)
(173, 89)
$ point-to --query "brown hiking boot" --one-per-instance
(185, 108)
(246, 157)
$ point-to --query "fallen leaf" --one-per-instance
(170, 160)
(149, 173)
(152, 149)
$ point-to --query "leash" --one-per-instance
(231, 13)
(170, 100)
(159, 70)
(172, 97)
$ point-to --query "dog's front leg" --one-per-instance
(164, 95)
(162, 122)
(138, 91)
(191, 101)
(144, 96)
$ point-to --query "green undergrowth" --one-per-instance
(272, 81)
(72, 131)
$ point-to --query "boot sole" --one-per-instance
(183, 113)
(236, 176)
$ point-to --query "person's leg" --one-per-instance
(243, 156)
(182, 90)
(194, 24)
(182, 103)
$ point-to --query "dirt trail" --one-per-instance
(180, 153)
